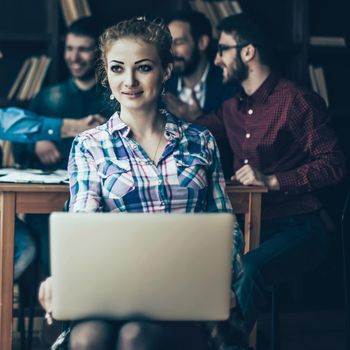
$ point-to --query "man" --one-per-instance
(19, 125)
(196, 83)
(77, 97)
(23, 126)
(278, 133)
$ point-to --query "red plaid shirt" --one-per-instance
(282, 129)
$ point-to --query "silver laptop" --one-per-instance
(136, 266)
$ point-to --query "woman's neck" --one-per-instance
(142, 123)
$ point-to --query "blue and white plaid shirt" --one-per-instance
(110, 171)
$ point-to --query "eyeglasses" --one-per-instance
(222, 48)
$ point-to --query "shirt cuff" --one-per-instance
(51, 127)
(289, 183)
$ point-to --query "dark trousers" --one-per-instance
(289, 247)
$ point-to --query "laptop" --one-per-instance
(174, 267)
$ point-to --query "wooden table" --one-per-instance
(247, 200)
(19, 198)
(40, 199)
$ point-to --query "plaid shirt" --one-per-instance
(109, 171)
(282, 129)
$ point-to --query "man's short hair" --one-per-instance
(247, 31)
(85, 26)
(199, 23)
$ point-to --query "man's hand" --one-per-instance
(47, 152)
(72, 127)
(247, 175)
(180, 109)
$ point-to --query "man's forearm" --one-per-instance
(69, 128)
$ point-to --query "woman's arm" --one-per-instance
(84, 180)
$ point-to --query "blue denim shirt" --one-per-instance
(20, 125)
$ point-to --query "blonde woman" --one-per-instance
(142, 160)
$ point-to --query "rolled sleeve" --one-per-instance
(20, 125)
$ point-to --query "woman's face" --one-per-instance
(135, 73)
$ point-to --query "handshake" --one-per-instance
(72, 127)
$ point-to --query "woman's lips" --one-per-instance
(132, 94)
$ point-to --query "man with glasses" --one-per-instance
(280, 139)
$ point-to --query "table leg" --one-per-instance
(7, 228)
(256, 220)
(255, 217)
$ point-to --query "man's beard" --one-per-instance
(189, 66)
(90, 74)
(240, 73)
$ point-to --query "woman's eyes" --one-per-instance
(116, 69)
(144, 68)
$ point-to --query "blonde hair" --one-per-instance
(154, 32)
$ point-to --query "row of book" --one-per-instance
(30, 78)
(318, 82)
(74, 9)
(216, 10)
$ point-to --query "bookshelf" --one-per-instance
(38, 28)
(329, 21)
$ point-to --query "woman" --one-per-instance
(142, 160)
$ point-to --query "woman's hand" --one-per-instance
(45, 298)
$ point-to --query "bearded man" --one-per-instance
(280, 137)
(196, 82)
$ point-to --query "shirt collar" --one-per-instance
(263, 92)
(199, 86)
(75, 90)
(172, 128)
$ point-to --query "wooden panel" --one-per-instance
(40, 202)
(239, 202)
(6, 268)
(255, 220)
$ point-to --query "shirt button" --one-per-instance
(250, 111)
(247, 135)
(50, 131)
(245, 161)
(286, 193)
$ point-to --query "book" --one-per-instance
(236, 7)
(15, 86)
(318, 82)
(39, 77)
(321, 83)
(74, 9)
(216, 10)
(313, 79)
(30, 78)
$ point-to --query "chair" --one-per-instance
(345, 232)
